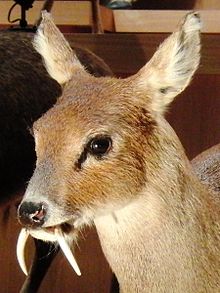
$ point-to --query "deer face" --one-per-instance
(90, 150)
(105, 140)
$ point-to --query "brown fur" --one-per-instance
(158, 225)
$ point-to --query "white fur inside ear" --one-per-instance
(192, 22)
(171, 68)
(42, 46)
(59, 59)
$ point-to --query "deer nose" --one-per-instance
(32, 214)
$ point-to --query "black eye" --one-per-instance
(100, 146)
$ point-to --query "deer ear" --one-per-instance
(173, 65)
(60, 61)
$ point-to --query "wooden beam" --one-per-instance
(207, 4)
(107, 19)
(127, 53)
(161, 21)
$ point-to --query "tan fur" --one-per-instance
(158, 225)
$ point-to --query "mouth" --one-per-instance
(63, 234)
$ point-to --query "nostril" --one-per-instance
(38, 216)
(32, 214)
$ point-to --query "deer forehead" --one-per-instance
(90, 107)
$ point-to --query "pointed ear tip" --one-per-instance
(46, 15)
(192, 21)
(46, 21)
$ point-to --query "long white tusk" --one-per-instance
(67, 251)
(20, 249)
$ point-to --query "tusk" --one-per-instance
(20, 249)
(67, 251)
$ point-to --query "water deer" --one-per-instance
(107, 156)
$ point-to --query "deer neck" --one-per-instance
(158, 238)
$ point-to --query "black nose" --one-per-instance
(31, 214)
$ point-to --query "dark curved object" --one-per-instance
(44, 255)
(164, 4)
(150, 4)
(26, 92)
(114, 285)
(120, 4)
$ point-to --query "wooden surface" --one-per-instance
(195, 114)
(158, 21)
(126, 53)
(79, 14)
(107, 19)
(70, 16)
(64, 12)
(207, 4)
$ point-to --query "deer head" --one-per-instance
(106, 140)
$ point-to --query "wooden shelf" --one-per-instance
(126, 53)
(161, 21)
(80, 14)
(64, 12)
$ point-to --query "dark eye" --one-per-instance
(100, 146)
